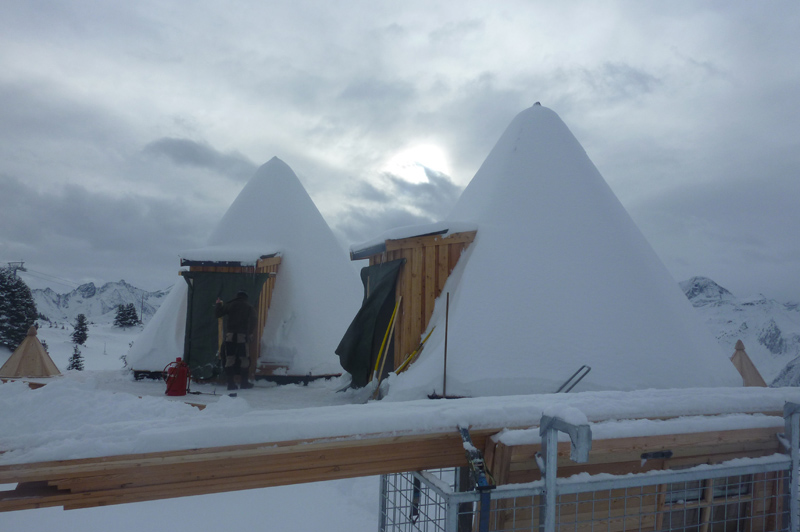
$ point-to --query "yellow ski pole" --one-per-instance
(385, 336)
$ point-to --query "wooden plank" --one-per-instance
(453, 256)
(404, 288)
(198, 473)
(389, 447)
(443, 268)
(289, 464)
(414, 317)
(429, 287)
(686, 444)
(267, 262)
(431, 240)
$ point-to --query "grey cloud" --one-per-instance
(722, 232)
(378, 90)
(371, 193)
(190, 153)
(456, 30)
(620, 80)
(78, 234)
(373, 209)
(362, 224)
(435, 197)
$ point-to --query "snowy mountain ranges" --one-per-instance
(770, 330)
(97, 304)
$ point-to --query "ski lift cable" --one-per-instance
(52, 278)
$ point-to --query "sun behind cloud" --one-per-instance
(410, 163)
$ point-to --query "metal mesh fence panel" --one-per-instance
(754, 501)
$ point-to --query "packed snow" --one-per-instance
(558, 277)
(105, 393)
(317, 291)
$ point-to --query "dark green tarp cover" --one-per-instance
(202, 336)
(359, 347)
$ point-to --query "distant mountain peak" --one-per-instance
(97, 304)
(702, 290)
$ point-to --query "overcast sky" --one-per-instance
(127, 128)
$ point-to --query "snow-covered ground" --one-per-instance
(342, 505)
(103, 411)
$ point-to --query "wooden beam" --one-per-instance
(134, 478)
(150, 476)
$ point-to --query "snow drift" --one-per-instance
(558, 276)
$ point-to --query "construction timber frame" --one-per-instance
(430, 260)
(265, 264)
(606, 466)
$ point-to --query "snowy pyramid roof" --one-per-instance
(29, 359)
(316, 290)
(558, 277)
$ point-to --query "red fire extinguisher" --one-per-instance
(177, 377)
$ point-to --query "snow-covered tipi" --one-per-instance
(29, 359)
(314, 292)
(558, 277)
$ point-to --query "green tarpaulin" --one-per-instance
(359, 347)
(202, 336)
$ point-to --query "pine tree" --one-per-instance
(133, 317)
(126, 316)
(17, 309)
(81, 332)
(119, 318)
(76, 360)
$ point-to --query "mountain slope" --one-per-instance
(769, 330)
(98, 304)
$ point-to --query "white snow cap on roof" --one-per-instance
(558, 276)
(316, 291)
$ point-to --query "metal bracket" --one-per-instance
(580, 436)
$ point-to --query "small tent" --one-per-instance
(558, 277)
(29, 360)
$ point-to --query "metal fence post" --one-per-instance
(581, 442)
(383, 503)
(451, 515)
(549, 473)
(791, 415)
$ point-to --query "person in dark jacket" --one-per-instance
(240, 326)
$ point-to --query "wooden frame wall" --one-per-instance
(511, 464)
(429, 262)
(263, 265)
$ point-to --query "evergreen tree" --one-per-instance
(126, 316)
(81, 332)
(17, 309)
(76, 360)
(133, 317)
(119, 318)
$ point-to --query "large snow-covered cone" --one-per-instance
(558, 276)
(316, 289)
